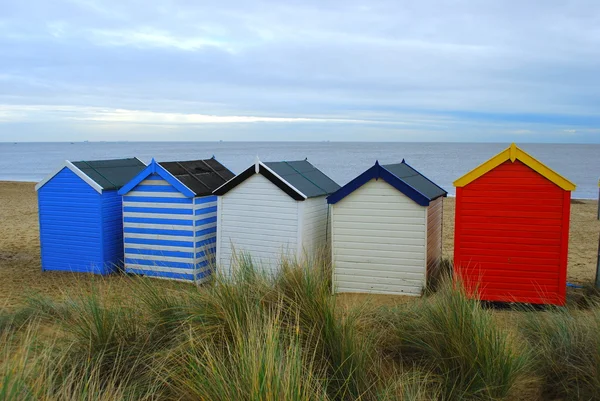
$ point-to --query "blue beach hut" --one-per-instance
(170, 219)
(80, 215)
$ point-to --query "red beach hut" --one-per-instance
(512, 230)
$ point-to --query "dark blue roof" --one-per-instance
(400, 176)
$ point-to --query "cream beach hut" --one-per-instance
(386, 227)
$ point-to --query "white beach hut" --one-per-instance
(272, 210)
(386, 229)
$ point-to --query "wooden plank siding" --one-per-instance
(511, 236)
(315, 230)
(71, 226)
(378, 242)
(434, 238)
(166, 234)
(258, 219)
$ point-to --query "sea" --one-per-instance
(342, 161)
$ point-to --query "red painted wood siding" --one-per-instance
(511, 236)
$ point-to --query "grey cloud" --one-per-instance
(381, 60)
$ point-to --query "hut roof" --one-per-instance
(101, 174)
(299, 179)
(111, 174)
(401, 176)
(512, 153)
(201, 176)
(192, 177)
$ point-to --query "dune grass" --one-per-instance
(259, 336)
(566, 348)
(457, 340)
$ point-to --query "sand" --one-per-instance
(20, 272)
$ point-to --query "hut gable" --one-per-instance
(100, 174)
(299, 179)
(80, 215)
(400, 176)
(512, 227)
(170, 218)
(512, 154)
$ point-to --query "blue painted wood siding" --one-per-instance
(167, 234)
(72, 226)
(112, 228)
(205, 226)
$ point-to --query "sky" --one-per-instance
(300, 70)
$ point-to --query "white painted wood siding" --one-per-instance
(259, 219)
(434, 238)
(378, 242)
(314, 226)
(158, 226)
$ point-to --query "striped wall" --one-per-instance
(166, 234)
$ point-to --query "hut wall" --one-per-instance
(158, 226)
(511, 235)
(434, 237)
(70, 214)
(205, 231)
(259, 219)
(314, 230)
(378, 242)
(112, 227)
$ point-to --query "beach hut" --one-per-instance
(272, 210)
(386, 231)
(170, 218)
(512, 230)
(81, 227)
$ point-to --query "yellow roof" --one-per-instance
(512, 153)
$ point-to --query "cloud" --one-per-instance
(462, 71)
(154, 38)
(11, 113)
(150, 117)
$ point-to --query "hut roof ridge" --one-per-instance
(513, 153)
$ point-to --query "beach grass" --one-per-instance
(261, 336)
(566, 351)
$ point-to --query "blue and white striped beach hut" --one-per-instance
(81, 227)
(170, 219)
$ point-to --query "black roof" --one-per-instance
(288, 175)
(415, 179)
(201, 176)
(111, 174)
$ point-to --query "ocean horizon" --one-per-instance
(442, 162)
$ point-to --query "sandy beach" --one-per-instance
(20, 272)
